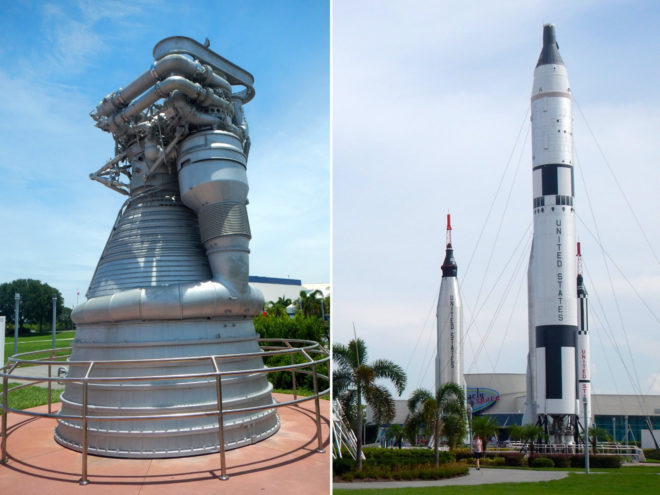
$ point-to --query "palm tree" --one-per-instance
(354, 380)
(485, 427)
(527, 434)
(448, 400)
(454, 429)
(597, 433)
(278, 308)
(411, 428)
(395, 432)
(310, 302)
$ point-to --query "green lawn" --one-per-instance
(38, 342)
(639, 480)
(30, 396)
(302, 392)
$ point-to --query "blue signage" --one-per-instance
(480, 399)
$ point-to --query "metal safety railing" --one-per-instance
(631, 453)
(312, 353)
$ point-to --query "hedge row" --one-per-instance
(652, 454)
(422, 472)
(568, 460)
(392, 458)
(300, 327)
(382, 456)
(515, 459)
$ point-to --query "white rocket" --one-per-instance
(552, 298)
(449, 356)
(583, 350)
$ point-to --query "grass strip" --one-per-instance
(31, 396)
(638, 480)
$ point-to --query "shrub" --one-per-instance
(652, 454)
(541, 462)
(513, 459)
(343, 465)
(462, 454)
(560, 460)
(300, 327)
(404, 457)
(424, 472)
(597, 461)
(605, 461)
(348, 476)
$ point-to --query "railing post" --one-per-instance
(3, 458)
(83, 480)
(293, 379)
(319, 437)
(50, 384)
(221, 429)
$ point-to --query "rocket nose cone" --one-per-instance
(449, 267)
(549, 34)
(550, 50)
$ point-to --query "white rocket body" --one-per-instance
(552, 274)
(449, 356)
(583, 350)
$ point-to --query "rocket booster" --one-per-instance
(449, 356)
(583, 350)
(552, 273)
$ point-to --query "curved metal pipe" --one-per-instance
(163, 89)
(165, 67)
(173, 302)
(191, 115)
(234, 74)
(213, 184)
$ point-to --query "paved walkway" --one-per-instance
(286, 463)
(484, 476)
(39, 371)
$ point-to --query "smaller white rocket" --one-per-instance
(583, 365)
(449, 356)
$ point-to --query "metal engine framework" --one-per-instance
(172, 281)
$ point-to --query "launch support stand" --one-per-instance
(586, 435)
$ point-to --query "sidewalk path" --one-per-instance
(39, 371)
(284, 464)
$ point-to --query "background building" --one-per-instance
(502, 395)
(288, 288)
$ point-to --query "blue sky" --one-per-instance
(61, 58)
(428, 100)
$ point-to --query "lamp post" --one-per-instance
(17, 300)
(614, 429)
(469, 411)
(586, 435)
(54, 316)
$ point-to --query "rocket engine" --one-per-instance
(172, 281)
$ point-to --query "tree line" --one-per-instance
(36, 306)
